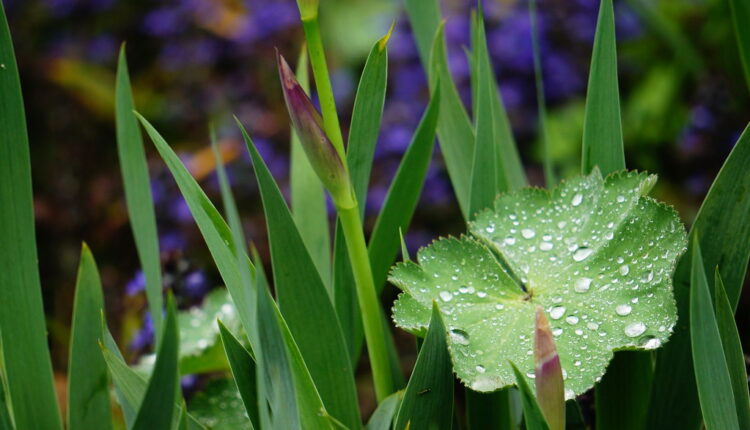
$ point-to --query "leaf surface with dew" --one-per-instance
(597, 254)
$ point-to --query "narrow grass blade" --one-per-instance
(366, 116)
(403, 195)
(305, 303)
(602, 128)
(574, 416)
(455, 133)
(5, 421)
(88, 380)
(130, 387)
(27, 363)
(156, 409)
(243, 369)
(711, 372)
(510, 173)
(428, 400)
(741, 17)
(486, 176)
(308, 197)
(345, 296)
(532, 415)
(622, 395)
(549, 172)
(424, 18)
(489, 410)
(382, 418)
(730, 341)
(724, 223)
(136, 182)
(275, 376)
(216, 233)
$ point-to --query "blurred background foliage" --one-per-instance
(684, 103)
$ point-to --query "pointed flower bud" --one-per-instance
(308, 9)
(308, 124)
(549, 380)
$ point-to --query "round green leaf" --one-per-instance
(596, 254)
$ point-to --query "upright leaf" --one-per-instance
(711, 372)
(741, 17)
(533, 417)
(602, 129)
(424, 18)
(428, 400)
(157, 406)
(27, 363)
(510, 173)
(730, 341)
(305, 303)
(455, 133)
(489, 410)
(243, 372)
(308, 198)
(549, 173)
(382, 418)
(724, 223)
(403, 195)
(137, 186)
(88, 380)
(7, 424)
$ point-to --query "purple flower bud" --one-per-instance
(308, 125)
(549, 380)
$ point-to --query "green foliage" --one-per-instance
(88, 380)
(576, 251)
(219, 407)
(26, 360)
(533, 417)
(243, 373)
(711, 372)
(137, 187)
(740, 11)
(428, 399)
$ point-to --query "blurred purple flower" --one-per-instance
(145, 336)
(195, 284)
(137, 284)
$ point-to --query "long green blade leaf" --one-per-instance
(455, 133)
(622, 395)
(741, 17)
(533, 417)
(243, 369)
(308, 197)
(382, 418)
(88, 380)
(711, 372)
(730, 341)
(424, 18)
(724, 223)
(487, 178)
(549, 172)
(137, 186)
(602, 129)
(305, 303)
(216, 233)
(428, 400)
(156, 409)
(489, 410)
(403, 195)
(5, 421)
(27, 364)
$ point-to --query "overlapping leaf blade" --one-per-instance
(305, 303)
(428, 399)
(578, 253)
(741, 17)
(602, 128)
(88, 380)
(137, 186)
(27, 364)
(724, 223)
(243, 372)
(533, 417)
(711, 372)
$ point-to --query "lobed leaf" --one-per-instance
(26, 359)
(711, 372)
(219, 407)
(88, 380)
(578, 252)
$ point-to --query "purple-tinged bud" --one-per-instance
(308, 124)
(550, 392)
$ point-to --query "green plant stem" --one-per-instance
(323, 84)
(368, 300)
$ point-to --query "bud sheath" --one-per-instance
(549, 381)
